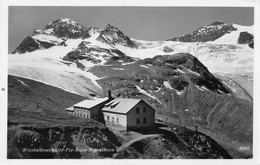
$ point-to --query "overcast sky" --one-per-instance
(146, 23)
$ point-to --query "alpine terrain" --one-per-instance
(203, 79)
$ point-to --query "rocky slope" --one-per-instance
(180, 85)
(177, 144)
(52, 139)
(38, 127)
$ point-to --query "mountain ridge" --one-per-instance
(109, 44)
(65, 28)
(206, 33)
(216, 30)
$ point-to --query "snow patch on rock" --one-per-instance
(193, 72)
(167, 85)
(144, 66)
(23, 83)
(147, 94)
(118, 68)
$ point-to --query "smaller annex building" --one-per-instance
(90, 109)
(129, 113)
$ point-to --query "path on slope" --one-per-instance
(235, 148)
(127, 144)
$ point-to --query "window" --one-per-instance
(112, 119)
(144, 120)
(137, 121)
(117, 120)
(137, 110)
(108, 118)
(144, 109)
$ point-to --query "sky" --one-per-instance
(144, 23)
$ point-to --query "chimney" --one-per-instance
(109, 94)
(196, 128)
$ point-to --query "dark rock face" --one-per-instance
(207, 33)
(192, 63)
(180, 71)
(89, 53)
(63, 28)
(29, 45)
(167, 49)
(251, 45)
(246, 38)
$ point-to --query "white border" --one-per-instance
(224, 3)
(4, 61)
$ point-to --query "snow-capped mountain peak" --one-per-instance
(109, 42)
(62, 20)
(207, 33)
(111, 27)
(220, 33)
(65, 27)
(113, 36)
